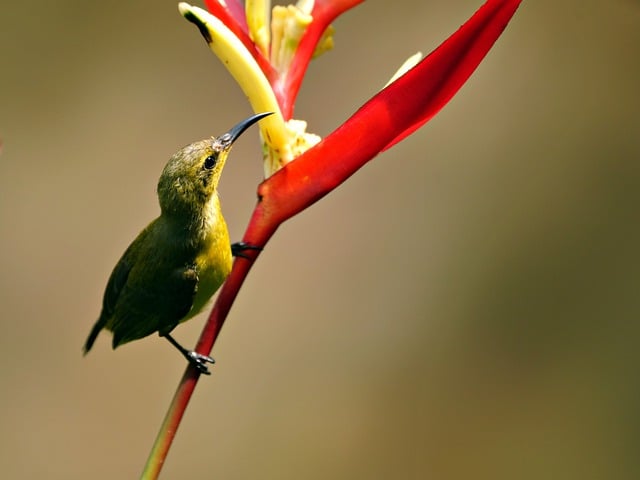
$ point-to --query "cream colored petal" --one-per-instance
(258, 21)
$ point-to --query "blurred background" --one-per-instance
(466, 306)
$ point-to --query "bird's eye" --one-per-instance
(210, 162)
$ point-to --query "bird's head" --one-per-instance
(191, 176)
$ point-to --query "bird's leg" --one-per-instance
(196, 359)
(238, 249)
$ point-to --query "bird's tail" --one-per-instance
(97, 328)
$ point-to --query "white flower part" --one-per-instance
(305, 6)
(299, 142)
(408, 64)
(288, 25)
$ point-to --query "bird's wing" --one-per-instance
(180, 290)
(115, 286)
(120, 275)
(150, 291)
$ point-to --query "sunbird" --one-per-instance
(174, 266)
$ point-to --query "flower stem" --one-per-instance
(258, 233)
(170, 424)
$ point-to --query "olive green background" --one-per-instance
(466, 306)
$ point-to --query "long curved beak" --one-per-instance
(233, 134)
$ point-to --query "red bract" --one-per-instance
(391, 115)
(231, 12)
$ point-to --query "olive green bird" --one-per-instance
(177, 263)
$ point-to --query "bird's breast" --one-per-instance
(213, 264)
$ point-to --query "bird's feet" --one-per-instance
(238, 249)
(196, 359)
(199, 361)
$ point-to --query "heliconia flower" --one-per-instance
(269, 64)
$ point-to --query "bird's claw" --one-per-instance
(200, 361)
(238, 249)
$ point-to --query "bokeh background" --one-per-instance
(466, 306)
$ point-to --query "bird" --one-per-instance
(174, 266)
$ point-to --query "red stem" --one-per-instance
(258, 233)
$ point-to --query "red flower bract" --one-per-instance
(391, 115)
